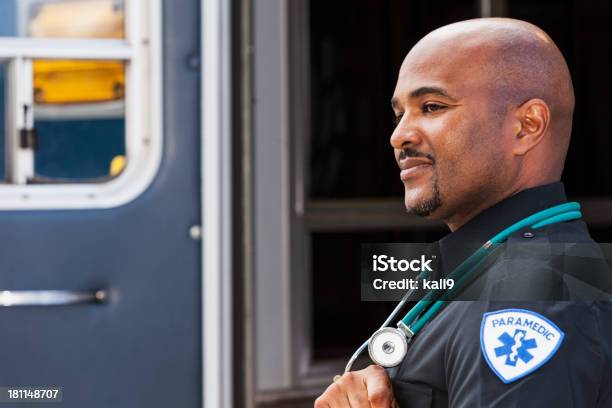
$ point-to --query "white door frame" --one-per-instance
(217, 206)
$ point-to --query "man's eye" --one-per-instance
(432, 107)
(397, 119)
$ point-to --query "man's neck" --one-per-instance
(480, 202)
(459, 244)
(475, 207)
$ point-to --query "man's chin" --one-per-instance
(421, 211)
(423, 206)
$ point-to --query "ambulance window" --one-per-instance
(79, 118)
(80, 98)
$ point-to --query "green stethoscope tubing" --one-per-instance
(433, 302)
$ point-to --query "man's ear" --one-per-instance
(533, 118)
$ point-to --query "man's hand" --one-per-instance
(367, 388)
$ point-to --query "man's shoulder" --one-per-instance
(571, 232)
(558, 262)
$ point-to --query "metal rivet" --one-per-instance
(195, 232)
(100, 296)
(528, 234)
(193, 62)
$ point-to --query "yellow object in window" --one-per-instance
(117, 165)
(72, 82)
(64, 82)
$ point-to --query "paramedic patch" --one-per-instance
(516, 342)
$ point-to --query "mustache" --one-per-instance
(414, 153)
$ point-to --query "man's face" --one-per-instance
(449, 139)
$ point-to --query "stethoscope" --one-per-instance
(388, 346)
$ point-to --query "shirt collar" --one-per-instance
(460, 244)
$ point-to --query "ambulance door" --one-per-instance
(100, 288)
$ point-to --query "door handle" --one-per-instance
(9, 298)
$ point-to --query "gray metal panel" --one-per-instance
(143, 348)
(271, 197)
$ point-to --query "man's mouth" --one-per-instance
(412, 166)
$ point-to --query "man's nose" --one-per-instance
(404, 136)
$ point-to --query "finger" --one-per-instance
(353, 385)
(321, 402)
(380, 393)
(333, 397)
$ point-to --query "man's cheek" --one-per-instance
(451, 179)
(449, 171)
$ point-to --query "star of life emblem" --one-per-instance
(516, 342)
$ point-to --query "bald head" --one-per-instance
(493, 98)
(516, 59)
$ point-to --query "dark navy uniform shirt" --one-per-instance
(544, 297)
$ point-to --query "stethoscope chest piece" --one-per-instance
(388, 347)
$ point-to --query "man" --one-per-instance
(484, 113)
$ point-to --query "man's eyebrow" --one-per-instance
(430, 90)
(422, 91)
